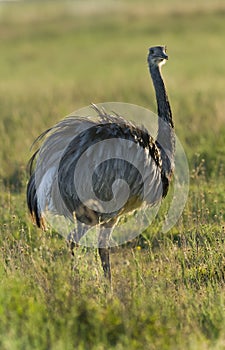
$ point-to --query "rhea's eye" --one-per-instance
(151, 51)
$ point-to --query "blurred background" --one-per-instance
(58, 56)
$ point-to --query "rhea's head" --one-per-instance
(157, 56)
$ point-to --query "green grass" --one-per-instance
(168, 289)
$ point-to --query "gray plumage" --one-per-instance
(147, 172)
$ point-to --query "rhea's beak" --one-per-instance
(166, 57)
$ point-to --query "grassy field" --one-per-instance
(168, 289)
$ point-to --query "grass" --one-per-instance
(168, 289)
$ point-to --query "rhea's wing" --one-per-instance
(112, 165)
(42, 188)
(81, 156)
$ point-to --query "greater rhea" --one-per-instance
(157, 163)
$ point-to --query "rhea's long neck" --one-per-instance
(165, 137)
(164, 110)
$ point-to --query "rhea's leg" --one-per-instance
(104, 248)
(85, 218)
(74, 237)
(104, 255)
